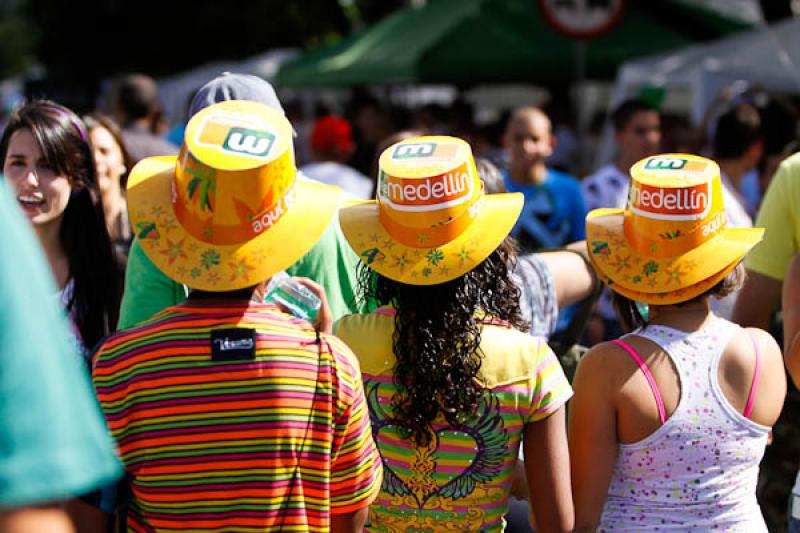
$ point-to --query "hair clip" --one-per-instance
(71, 117)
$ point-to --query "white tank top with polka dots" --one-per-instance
(697, 472)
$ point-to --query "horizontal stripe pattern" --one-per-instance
(463, 477)
(276, 443)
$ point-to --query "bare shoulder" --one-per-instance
(738, 370)
(604, 364)
(740, 353)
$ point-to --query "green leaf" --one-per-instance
(191, 188)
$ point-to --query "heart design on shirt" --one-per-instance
(454, 462)
(425, 471)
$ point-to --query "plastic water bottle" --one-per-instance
(293, 296)
(644, 310)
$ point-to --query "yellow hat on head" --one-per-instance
(431, 221)
(228, 212)
(671, 242)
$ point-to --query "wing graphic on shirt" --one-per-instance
(488, 430)
(379, 418)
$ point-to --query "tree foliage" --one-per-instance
(19, 37)
(98, 38)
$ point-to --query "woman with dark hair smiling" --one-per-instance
(454, 387)
(48, 161)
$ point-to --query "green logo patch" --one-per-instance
(410, 151)
(252, 143)
(665, 163)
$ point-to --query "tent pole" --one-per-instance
(578, 98)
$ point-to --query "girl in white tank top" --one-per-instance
(701, 466)
(669, 423)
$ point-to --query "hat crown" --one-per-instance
(674, 204)
(429, 191)
(235, 172)
(670, 243)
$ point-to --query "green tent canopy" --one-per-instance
(495, 41)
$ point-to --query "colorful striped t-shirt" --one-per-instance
(461, 481)
(232, 416)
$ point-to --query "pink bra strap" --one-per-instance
(748, 408)
(646, 371)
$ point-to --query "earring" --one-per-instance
(122, 169)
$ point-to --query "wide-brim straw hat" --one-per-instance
(228, 212)
(431, 221)
(671, 242)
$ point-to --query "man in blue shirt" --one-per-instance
(554, 212)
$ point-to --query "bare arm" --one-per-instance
(38, 519)
(592, 439)
(350, 522)
(791, 319)
(547, 471)
(771, 386)
(86, 518)
(756, 301)
(572, 275)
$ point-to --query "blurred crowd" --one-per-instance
(160, 241)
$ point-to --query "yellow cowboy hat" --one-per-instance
(228, 212)
(431, 221)
(671, 243)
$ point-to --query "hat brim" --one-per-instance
(212, 267)
(662, 280)
(429, 266)
(671, 297)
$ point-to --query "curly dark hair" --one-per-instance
(437, 338)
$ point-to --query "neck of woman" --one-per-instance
(49, 238)
(687, 317)
(112, 208)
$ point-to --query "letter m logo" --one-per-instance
(249, 142)
(665, 163)
(408, 151)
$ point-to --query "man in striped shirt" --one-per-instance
(229, 414)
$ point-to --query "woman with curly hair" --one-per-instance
(454, 387)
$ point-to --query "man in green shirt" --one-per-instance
(331, 262)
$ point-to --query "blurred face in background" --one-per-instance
(41, 190)
(529, 141)
(109, 161)
(640, 138)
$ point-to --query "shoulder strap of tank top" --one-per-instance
(748, 408)
(648, 376)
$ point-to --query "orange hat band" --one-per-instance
(434, 194)
(196, 198)
(432, 236)
(669, 243)
(429, 211)
(666, 221)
